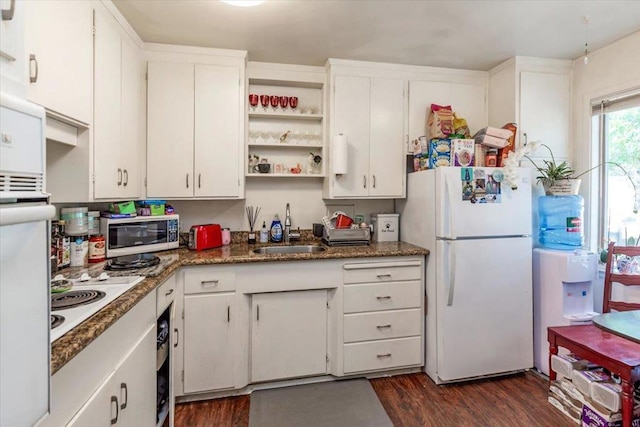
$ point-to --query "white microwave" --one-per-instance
(140, 234)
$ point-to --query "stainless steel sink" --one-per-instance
(296, 249)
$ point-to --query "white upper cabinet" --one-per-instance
(370, 113)
(12, 62)
(195, 140)
(535, 93)
(59, 55)
(118, 142)
(468, 101)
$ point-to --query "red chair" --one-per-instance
(622, 269)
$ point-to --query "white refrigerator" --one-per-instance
(479, 316)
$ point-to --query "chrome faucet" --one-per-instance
(287, 225)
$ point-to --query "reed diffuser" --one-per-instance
(252, 217)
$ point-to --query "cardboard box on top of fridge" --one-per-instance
(594, 415)
(463, 152)
(385, 227)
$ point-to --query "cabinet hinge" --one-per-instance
(327, 304)
(146, 76)
(93, 177)
(93, 30)
(183, 313)
(182, 375)
(327, 358)
(145, 181)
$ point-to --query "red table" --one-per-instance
(617, 354)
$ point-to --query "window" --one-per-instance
(616, 127)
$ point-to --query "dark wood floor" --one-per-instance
(414, 400)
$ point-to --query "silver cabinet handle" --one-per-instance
(119, 177)
(383, 326)
(209, 282)
(199, 176)
(187, 180)
(123, 386)
(365, 181)
(384, 297)
(7, 14)
(126, 178)
(382, 276)
(115, 400)
(177, 337)
(374, 181)
(168, 293)
(32, 58)
(380, 356)
(228, 313)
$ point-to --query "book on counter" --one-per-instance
(105, 214)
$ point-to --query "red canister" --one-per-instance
(97, 246)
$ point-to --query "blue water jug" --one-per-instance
(561, 219)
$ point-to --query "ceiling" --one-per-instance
(466, 34)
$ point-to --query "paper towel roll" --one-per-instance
(339, 156)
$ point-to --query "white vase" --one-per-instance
(563, 187)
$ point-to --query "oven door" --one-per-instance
(136, 237)
(24, 312)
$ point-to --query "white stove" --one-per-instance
(106, 290)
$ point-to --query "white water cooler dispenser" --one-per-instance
(562, 294)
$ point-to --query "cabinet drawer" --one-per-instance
(165, 294)
(201, 280)
(374, 272)
(386, 354)
(382, 296)
(381, 325)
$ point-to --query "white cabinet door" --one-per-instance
(107, 103)
(208, 342)
(288, 335)
(12, 62)
(131, 123)
(59, 35)
(545, 111)
(218, 145)
(136, 378)
(350, 117)
(170, 118)
(127, 397)
(386, 150)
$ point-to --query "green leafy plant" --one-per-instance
(552, 172)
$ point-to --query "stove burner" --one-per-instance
(56, 320)
(73, 299)
(132, 261)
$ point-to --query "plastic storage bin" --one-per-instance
(561, 219)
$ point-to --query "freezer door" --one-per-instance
(498, 210)
(484, 307)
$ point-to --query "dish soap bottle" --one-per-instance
(276, 230)
(264, 233)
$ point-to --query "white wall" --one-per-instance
(612, 69)
(304, 195)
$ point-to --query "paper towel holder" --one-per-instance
(339, 154)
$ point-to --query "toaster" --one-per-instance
(205, 236)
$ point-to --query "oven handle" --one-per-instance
(23, 215)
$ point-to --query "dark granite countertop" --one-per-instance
(70, 344)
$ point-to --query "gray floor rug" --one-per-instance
(348, 403)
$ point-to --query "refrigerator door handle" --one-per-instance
(25, 214)
(452, 273)
(446, 211)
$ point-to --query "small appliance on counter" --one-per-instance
(205, 236)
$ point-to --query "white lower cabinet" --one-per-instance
(382, 315)
(208, 342)
(126, 397)
(288, 335)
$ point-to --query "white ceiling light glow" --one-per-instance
(243, 3)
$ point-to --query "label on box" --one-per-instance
(463, 152)
(439, 153)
